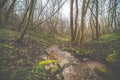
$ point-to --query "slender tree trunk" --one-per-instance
(80, 36)
(71, 20)
(112, 16)
(81, 23)
(97, 24)
(76, 18)
(9, 11)
(92, 20)
(2, 3)
(115, 5)
(86, 4)
(91, 26)
(109, 16)
(28, 17)
(2, 15)
(23, 20)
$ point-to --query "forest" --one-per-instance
(59, 39)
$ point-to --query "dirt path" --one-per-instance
(74, 69)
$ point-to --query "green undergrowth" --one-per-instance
(45, 39)
(106, 38)
(113, 40)
(79, 52)
(9, 33)
(112, 57)
(7, 46)
(12, 48)
(102, 72)
(36, 37)
(83, 53)
(12, 61)
(18, 61)
(48, 69)
(109, 37)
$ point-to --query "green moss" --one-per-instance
(46, 65)
(45, 69)
(23, 50)
(46, 62)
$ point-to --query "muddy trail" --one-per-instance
(75, 69)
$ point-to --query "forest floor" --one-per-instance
(90, 61)
(17, 60)
(74, 68)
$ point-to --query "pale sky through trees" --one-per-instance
(66, 9)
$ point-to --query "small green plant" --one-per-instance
(7, 46)
(109, 37)
(45, 70)
(83, 53)
(114, 59)
(70, 48)
(102, 72)
(111, 58)
(79, 52)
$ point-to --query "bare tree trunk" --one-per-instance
(76, 18)
(92, 20)
(71, 20)
(91, 26)
(81, 22)
(2, 16)
(115, 5)
(2, 3)
(23, 20)
(9, 11)
(28, 17)
(109, 16)
(97, 24)
(80, 36)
